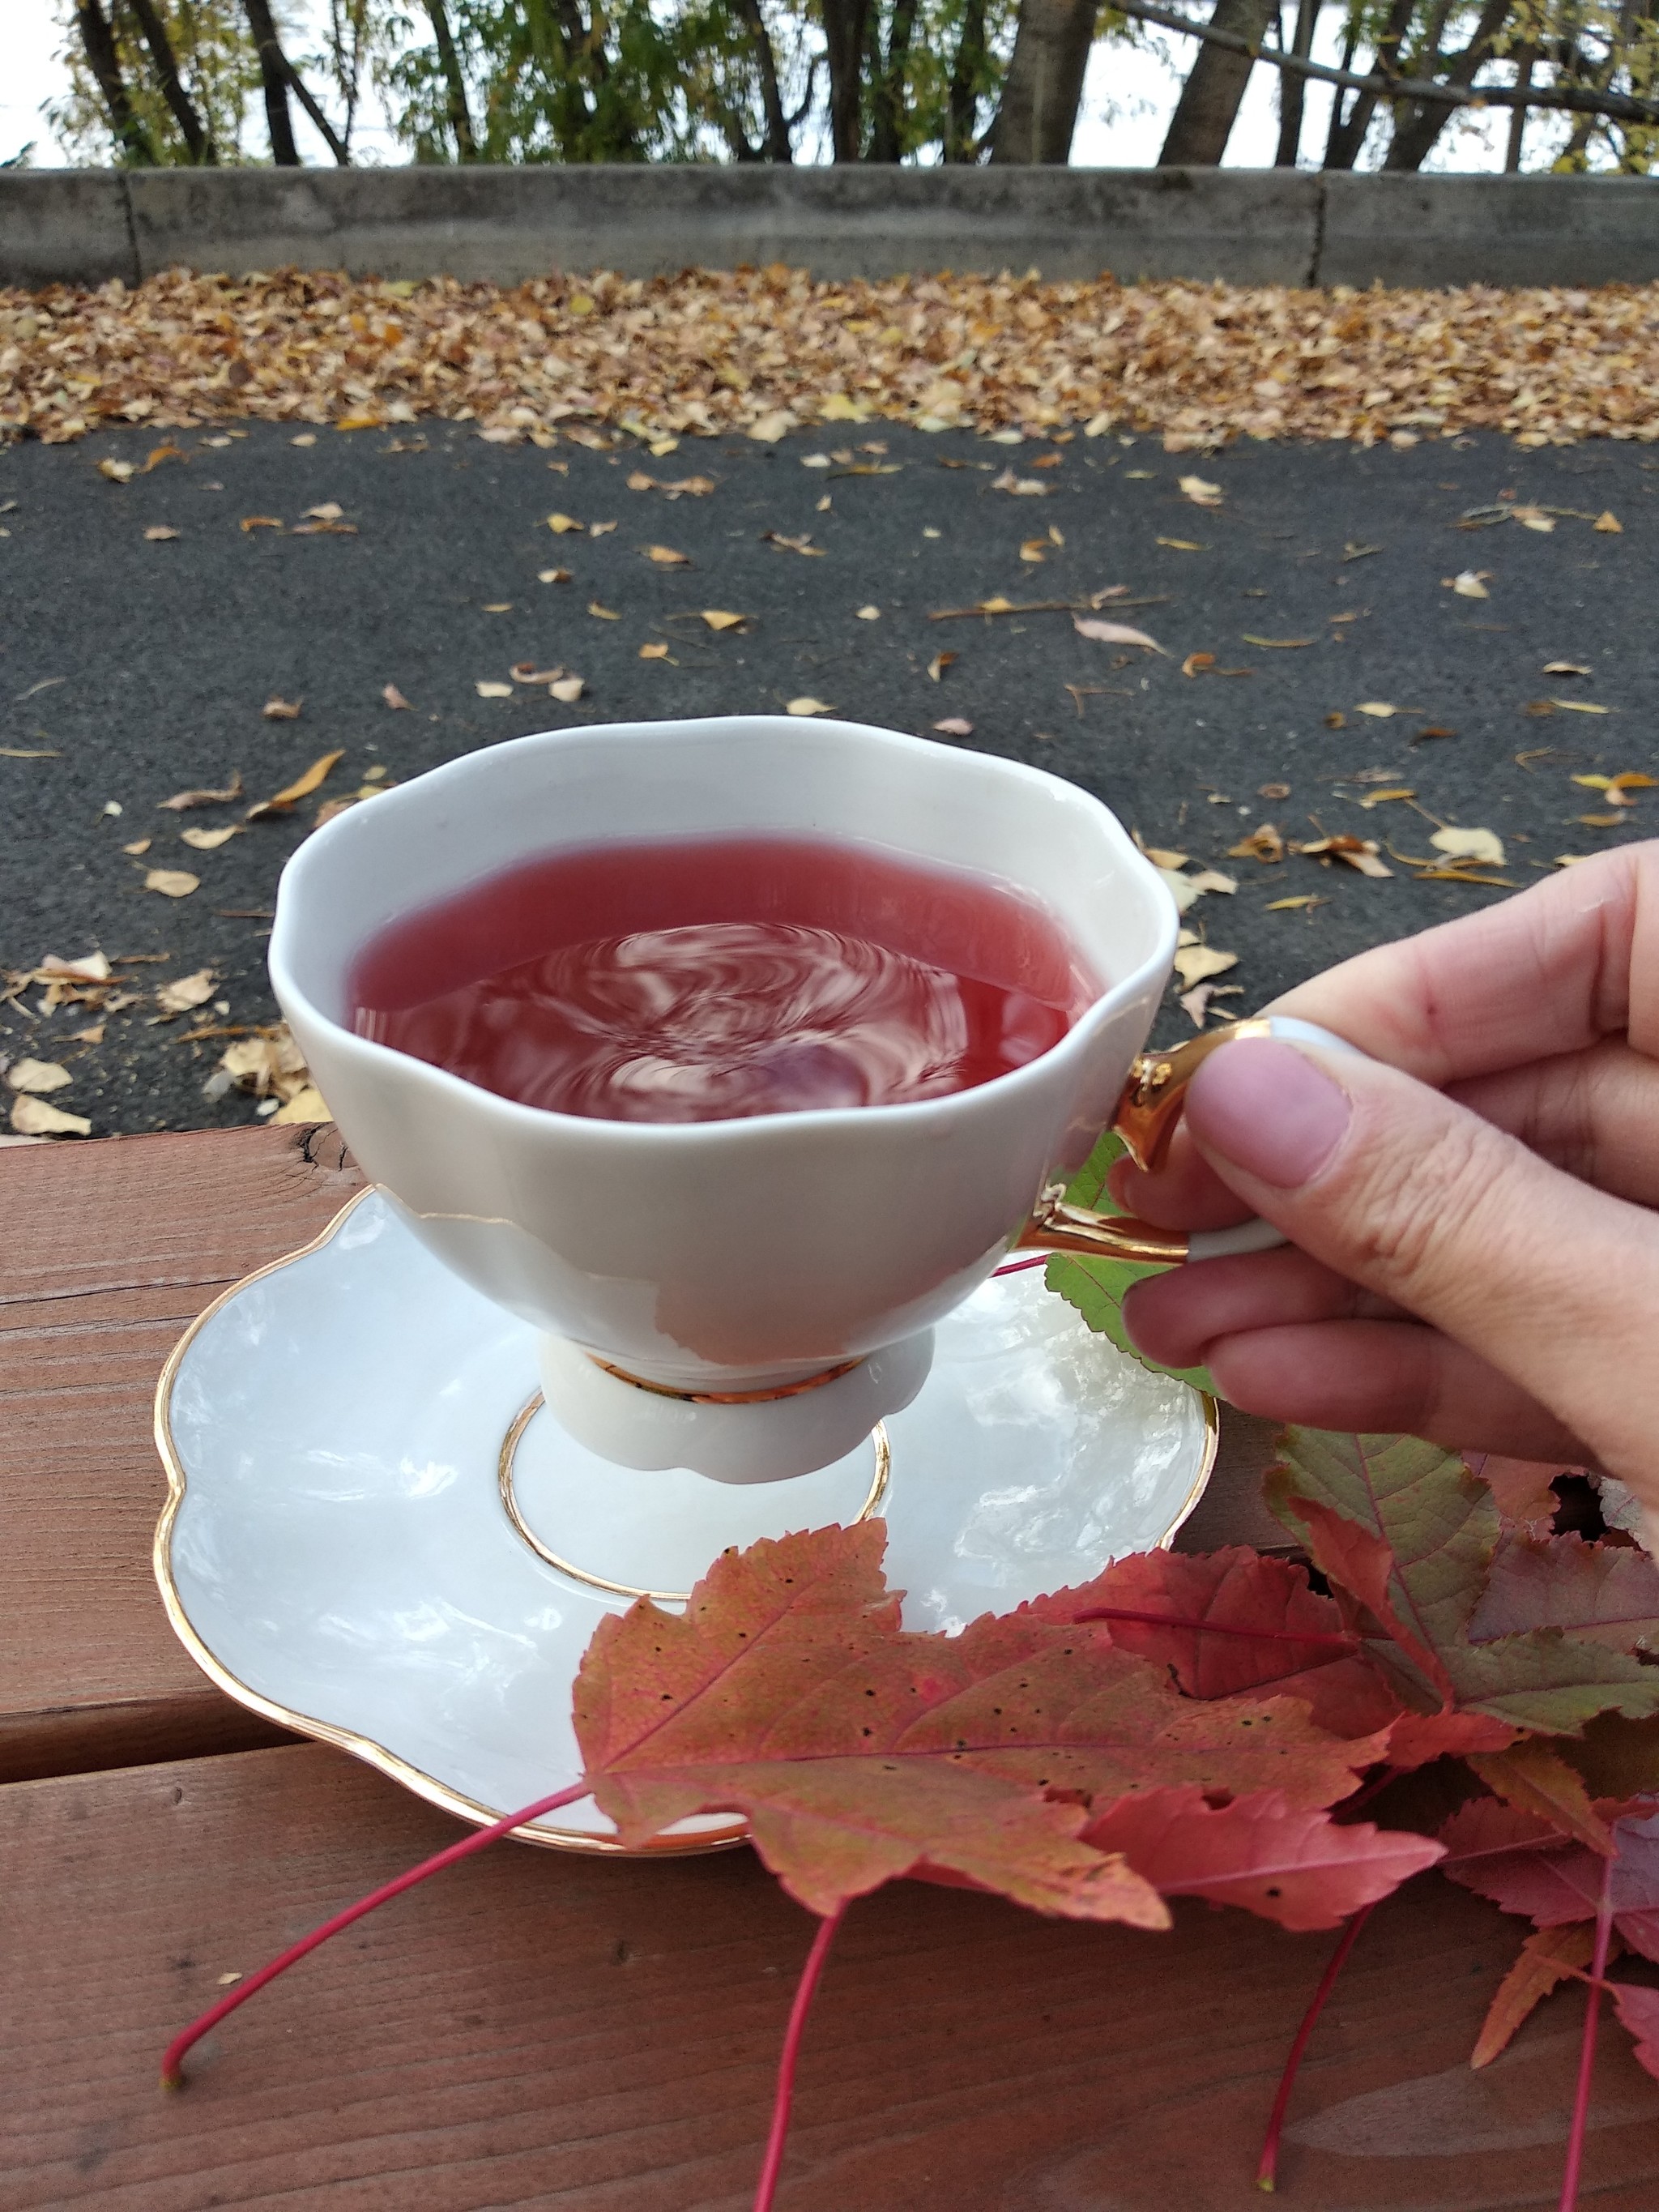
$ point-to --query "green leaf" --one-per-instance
(1095, 1287)
(1440, 1526)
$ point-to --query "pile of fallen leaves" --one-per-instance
(760, 351)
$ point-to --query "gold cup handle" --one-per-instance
(1148, 1110)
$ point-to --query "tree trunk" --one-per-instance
(1414, 136)
(778, 148)
(963, 113)
(273, 72)
(889, 104)
(197, 144)
(1208, 107)
(845, 24)
(1038, 113)
(1526, 60)
(1292, 89)
(460, 116)
(1347, 137)
(99, 40)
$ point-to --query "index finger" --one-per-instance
(1572, 960)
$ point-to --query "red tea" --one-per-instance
(709, 979)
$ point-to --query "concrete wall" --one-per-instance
(506, 224)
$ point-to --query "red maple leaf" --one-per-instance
(1525, 1866)
(858, 1752)
(1289, 1863)
(1605, 1593)
(1638, 2011)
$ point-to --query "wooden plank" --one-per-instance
(533, 2030)
(110, 1249)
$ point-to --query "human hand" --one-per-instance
(1475, 1252)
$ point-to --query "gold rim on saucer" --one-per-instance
(374, 1754)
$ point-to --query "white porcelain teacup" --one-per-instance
(722, 1259)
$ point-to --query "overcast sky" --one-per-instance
(1127, 99)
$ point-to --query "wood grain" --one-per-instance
(599, 2036)
(110, 1249)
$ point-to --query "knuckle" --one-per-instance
(1416, 1203)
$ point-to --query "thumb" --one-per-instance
(1415, 1198)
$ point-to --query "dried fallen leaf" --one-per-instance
(1201, 493)
(666, 557)
(560, 524)
(33, 1117)
(869, 614)
(1361, 854)
(1020, 487)
(1379, 710)
(1565, 668)
(1212, 879)
(159, 532)
(181, 800)
(1609, 523)
(771, 426)
(1034, 551)
(487, 688)
(1291, 905)
(291, 794)
(1110, 633)
(937, 664)
(1580, 706)
(118, 472)
(1387, 798)
(209, 840)
(1482, 846)
(1196, 663)
(281, 710)
(600, 529)
(138, 845)
(38, 1075)
(802, 544)
(1182, 546)
(602, 613)
(1276, 644)
(172, 883)
(1468, 583)
(722, 618)
(186, 991)
(261, 522)
(393, 696)
(568, 688)
(653, 653)
(306, 1105)
(1263, 843)
(953, 725)
(553, 575)
(808, 705)
(1195, 963)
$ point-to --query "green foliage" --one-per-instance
(1096, 1287)
(218, 69)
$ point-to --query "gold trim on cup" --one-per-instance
(874, 1500)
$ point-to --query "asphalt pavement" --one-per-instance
(1320, 580)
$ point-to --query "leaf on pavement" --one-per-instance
(281, 710)
(954, 726)
(1609, 523)
(1484, 846)
(788, 1692)
(1294, 1865)
(33, 1117)
(561, 525)
(487, 688)
(1110, 633)
(722, 618)
(1468, 583)
(1276, 644)
(186, 991)
(261, 522)
(568, 688)
(37, 1076)
(666, 557)
(393, 696)
(1194, 962)
(172, 883)
(806, 704)
(182, 801)
(1201, 493)
(292, 794)
(159, 532)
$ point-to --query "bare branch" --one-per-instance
(1578, 100)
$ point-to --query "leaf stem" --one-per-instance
(806, 1989)
(1019, 1267)
(1266, 2174)
(1320, 1638)
(172, 2057)
(1587, 2051)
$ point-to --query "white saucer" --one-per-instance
(337, 1554)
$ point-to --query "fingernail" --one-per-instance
(1269, 1109)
